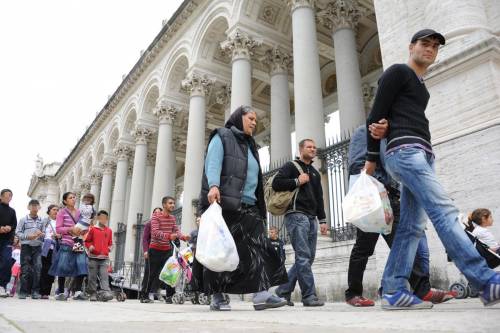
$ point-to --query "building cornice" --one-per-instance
(167, 32)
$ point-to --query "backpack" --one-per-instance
(277, 202)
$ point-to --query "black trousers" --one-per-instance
(364, 248)
(46, 280)
(152, 268)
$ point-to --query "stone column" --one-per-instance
(128, 186)
(122, 153)
(163, 181)
(142, 135)
(107, 167)
(198, 88)
(306, 70)
(240, 45)
(342, 16)
(281, 142)
(223, 97)
(148, 187)
(95, 185)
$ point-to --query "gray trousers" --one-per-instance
(98, 268)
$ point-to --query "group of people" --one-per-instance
(71, 244)
(394, 146)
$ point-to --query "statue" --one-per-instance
(39, 166)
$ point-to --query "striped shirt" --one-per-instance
(162, 226)
(64, 223)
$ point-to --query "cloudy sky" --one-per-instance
(59, 61)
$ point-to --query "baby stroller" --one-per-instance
(116, 282)
(465, 290)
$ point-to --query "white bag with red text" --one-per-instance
(367, 206)
(215, 248)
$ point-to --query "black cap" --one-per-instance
(428, 33)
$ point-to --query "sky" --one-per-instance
(59, 62)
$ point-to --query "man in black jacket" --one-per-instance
(8, 224)
(300, 220)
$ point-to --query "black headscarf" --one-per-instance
(235, 124)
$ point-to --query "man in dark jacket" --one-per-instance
(8, 224)
(300, 220)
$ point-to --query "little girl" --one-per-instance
(479, 220)
(16, 268)
(87, 213)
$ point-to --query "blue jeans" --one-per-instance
(303, 231)
(31, 269)
(421, 193)
(5, 262)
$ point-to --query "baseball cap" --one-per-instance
(428, 33)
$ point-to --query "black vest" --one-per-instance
(233, 174)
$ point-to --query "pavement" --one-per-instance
(50, 316)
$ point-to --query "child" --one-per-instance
(30, 231)
(87, 213)
(16, 267)
(478, 222)
(98, 242)
(278, 244)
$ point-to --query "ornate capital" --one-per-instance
(368, 94)
(294, 4)
(142, 135)
(122, 152)
(84, 186)
(240, 45)
(223, 95)
(197, 85)
(339, 14)
(95, 177)
(151, 159)
(277, 61)
(108, 166)
(165, 111)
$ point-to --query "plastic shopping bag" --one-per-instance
(215, 248)
(367, 206)
(171, 271)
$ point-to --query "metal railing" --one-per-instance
(120, 234)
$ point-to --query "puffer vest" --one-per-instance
(233, 174)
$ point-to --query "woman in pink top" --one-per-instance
(66, 262)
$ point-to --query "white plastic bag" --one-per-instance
(367, 206)
(215, 248)
(171, 271)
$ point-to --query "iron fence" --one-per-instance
(120, 235)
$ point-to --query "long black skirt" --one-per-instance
(260, 266)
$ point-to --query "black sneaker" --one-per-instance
(285, 296)
(312, 301)
(168, 300)
(146, 300)
(271, 303)
(222, 306)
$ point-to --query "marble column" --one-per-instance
(128, 186)
(342, 16)
(240, 45)
(122, 153)
(148, 187)
(281, 141)
(95, 185)
(142, 135)
(163, 181)
(107, 167)
(306, 70)
(198, 87)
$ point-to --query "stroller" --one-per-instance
(116, 282)
(465, 290)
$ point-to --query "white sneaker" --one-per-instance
(3, 293)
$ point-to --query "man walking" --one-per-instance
(163, 231)
(8, 223)
(300, 221)
(402, 99)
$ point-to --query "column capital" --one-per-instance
(295, 4)
(95, 176)
(108, 165)
(142, 134)
(122, 152)
(223, 94)
(84, 186)
(151, 159)
(197, 84)
(368, 94)
(339, 14)
(240, 45)
(165, 111)
(277, 61)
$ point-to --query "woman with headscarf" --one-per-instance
(232, 177)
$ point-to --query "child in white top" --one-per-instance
(87, 214)
(478, 222)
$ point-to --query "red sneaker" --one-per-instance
(439, 296)
(360, 301)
